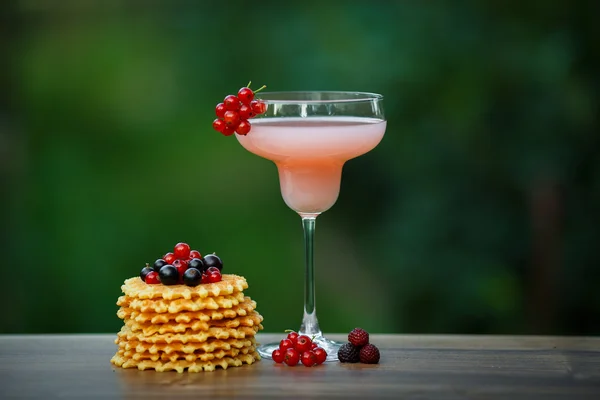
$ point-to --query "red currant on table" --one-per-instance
(278, 356)
(292, 357)
(303, 343)
(169, 258)
(220, 110)
(286, 344)
(313, 346)
(243, 128)
(152, 278)
(232, 103)
(195, 254)
(309, 359)
(182, 250)
(293, 336)
(320, 354)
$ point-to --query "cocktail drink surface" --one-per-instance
(310, 153)
(309, 136)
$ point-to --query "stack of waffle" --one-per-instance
(187, 328)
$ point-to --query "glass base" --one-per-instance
(330, 346)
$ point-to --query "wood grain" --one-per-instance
(412, 367)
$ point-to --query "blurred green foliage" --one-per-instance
(478, 213)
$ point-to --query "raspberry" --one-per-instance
(348, 353)
(358, 337)
(369, 354)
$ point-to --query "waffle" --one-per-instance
(182, 365)
(242, 309)
(197, 356)
(136, 288)
(209, 346)
(198, 325)
(179, 305)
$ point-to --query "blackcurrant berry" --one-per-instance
(158, 264)
(192, 277)
(168, 275)
(145, 271)
(212, 260)
(197, 263)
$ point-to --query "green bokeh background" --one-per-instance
(478, 213)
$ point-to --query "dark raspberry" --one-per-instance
(369, 354)
(358, 337)
(349, 353)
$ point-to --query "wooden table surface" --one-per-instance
(412, 367)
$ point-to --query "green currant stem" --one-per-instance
(261, 88)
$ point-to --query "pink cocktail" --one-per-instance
(309, 136)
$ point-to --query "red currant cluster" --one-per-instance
(296, 348)
(358, 349)
(183, 266)
(235, 111)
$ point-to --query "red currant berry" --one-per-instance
(309, 359)
(246, 95)
(313, 346)
(303, 343)
(220, 110)
(152, 278)
(258, 107)
(169, 258)
(232, 103)
(243, 128)
(292, 357)
(246, 112)
(194, 254)
(219, 125)
(278, 356)
(293, 336)
(286, 344)
(204, 278)
(181, 266)
(321, 355)
(182, 251)
(228, 131)
(214, 277)
(232, 118)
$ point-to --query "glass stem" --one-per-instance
(310, 324)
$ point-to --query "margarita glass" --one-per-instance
(309, 136)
